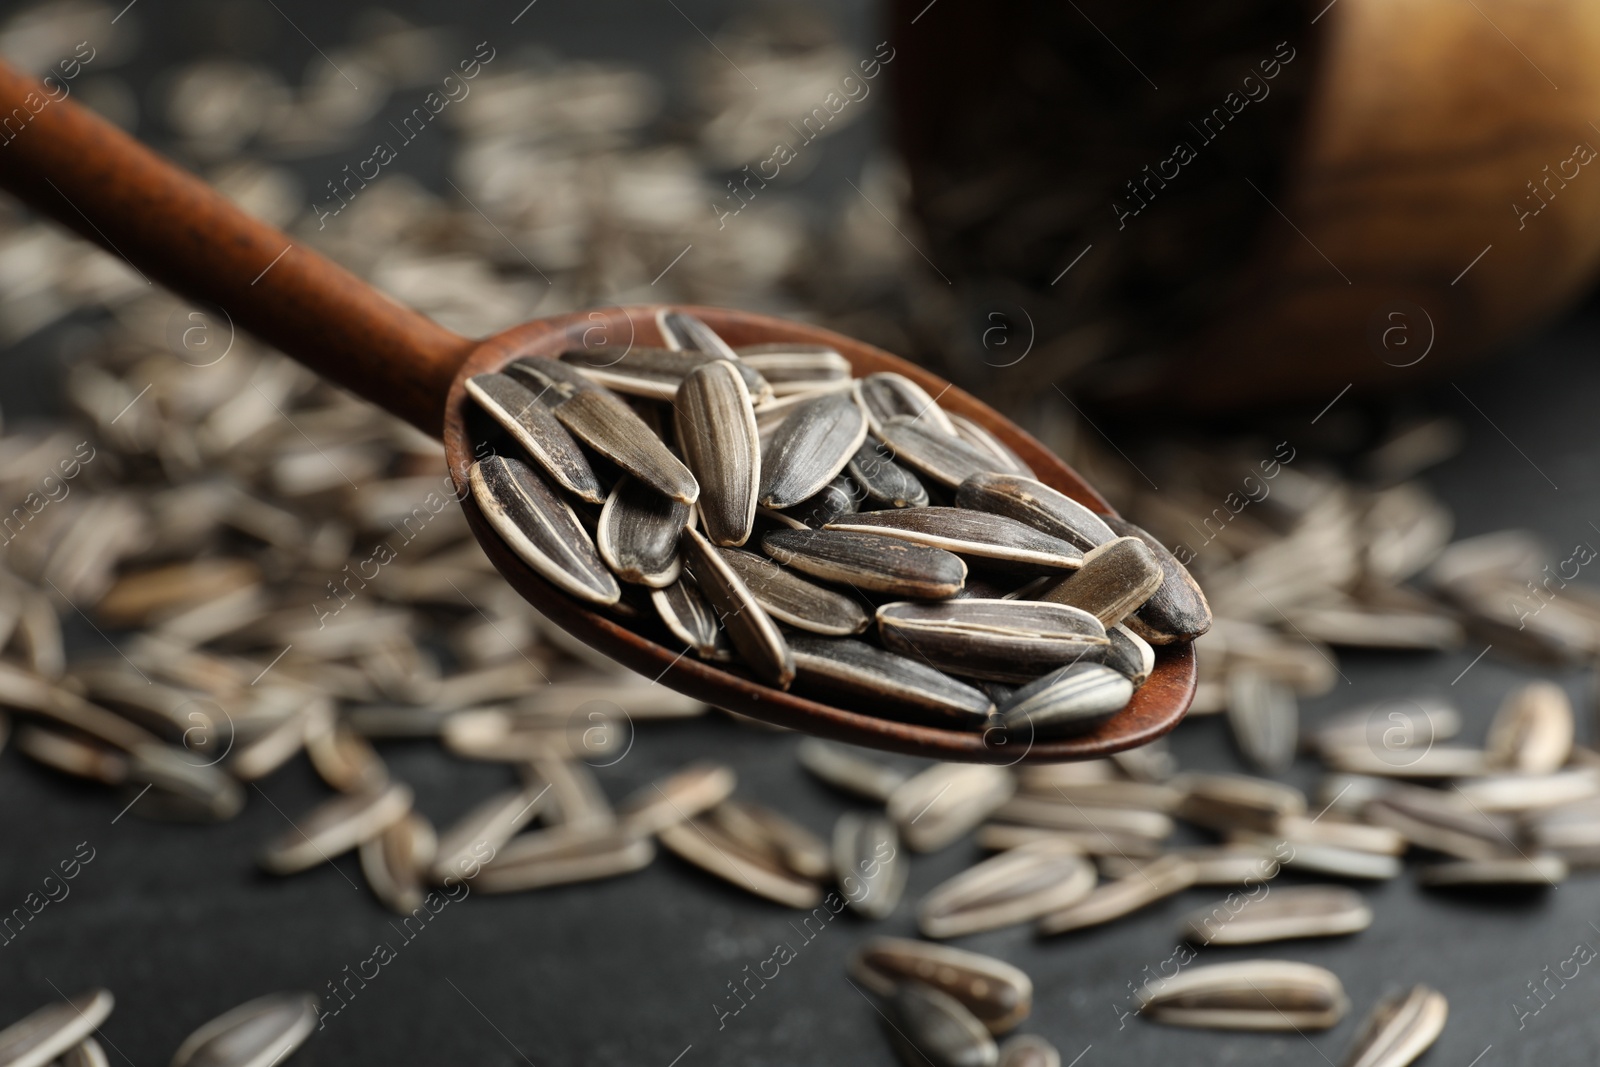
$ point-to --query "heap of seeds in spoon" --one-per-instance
(847, 537)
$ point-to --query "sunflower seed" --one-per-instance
(1111, 793)
(994, 539)
(72, 755)
(638, 534)
(335, 827)
(893, 685)
(1529, 792)
(36, 1039)
(1226, 802)
(1070, 700)
(1399, 1028)
(794, 600)
(1234, 864)
(999, 640)
(1532, 731)
(1248, 995)
(685, 794)
(748, 626)
(707, 846)
(277, 745)
(576, 799)
(1538, 871)
(86, 1053)
(1264, 718)
(1440, 761)
(1398, 725)
(941, 804)
(1029, 1050)
(563, 856)
(1155, 881)
(530, 423)
(1281, 915)
(552, 381)
(258, 1033)
(810, 448)
(541, 529)
(1332, 860)
(868, 864)
(1002, 836)
(1114, 580)
(1013, 887)
(485, 829)
(344, 759)
(686, 612)
(1129, 654)
(981, 439)
(716, 431)
(833, 501)
(886, 395)
(683, 331)
(936, 1028)
(1442, 822)
(932, 453)
(1571, 830)
(842, 767)
(183, 788)
(776, 838)
(883, 480)
(792, 368)
(1030, 501)
(1177, 610)
(869, 561)
(1330, 829)
(394, 861)
(998, 994)
(1066, 814)
(656, 373)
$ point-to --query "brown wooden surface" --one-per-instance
(1156, 708)
(81, 171)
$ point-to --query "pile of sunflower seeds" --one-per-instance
(869, 504)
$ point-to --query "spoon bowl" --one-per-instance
(74, 167)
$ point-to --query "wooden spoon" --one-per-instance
(86, 174)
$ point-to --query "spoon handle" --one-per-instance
(76, 168)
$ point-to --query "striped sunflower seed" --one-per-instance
(1443, 822)
(1264, 718)
(1532, 731)
(810, 448)
(869, 561)
(72, 755)
(1530, 792)
(1030, 501)
(1538, 872)
(655, 373)
(1114, 580)
(683, 331)
(344, 759)
(994, 539)
(563, 856)
(981, 439)
(1400, 724)
(602, 420)
(886, 395)
(1155, 881)
(1281, 915)
(776, 838)
(531, 424)
(575, 798)
(1129, 655)
(999, 836)
(37, 1039)
(258, 1033)
(1249, 995)
(1070, 700)
(1060, 813)
(1313, 857)
(884, 481)
(393, 863)
(335, 827)
(941, 804)
(1029, 1050)
(86, 1053)
(1177, 610)
(998, 640)
(707, 846)
(279, 743)
(638, 534)
(1225, 802)
(832, 502)
(717, 436)
(485, 829)
(183, 790)
(868, 863)
(751, 630)
(998, 994)
(932, 453)
(696, 788)
(843, 767)
(1215, 865)
(1571, 830)
(792, 599)
(541, 529)
(1109, 793)
(1013, 887)
(893, 685)
(1437, 762)
(686, 612)
(793, 368)
(1331, 829)
(936, 1028)
(1400, 1027)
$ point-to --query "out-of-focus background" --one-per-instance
(801, 160)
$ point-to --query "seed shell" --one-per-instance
(894, 685)
(868, 863)
(776, 838)
(38, 1038)
(792, 368)
(1177, 611)
(1013, 887)
(994, 539)
(941, 804)
(932, 453)
(686, 612)
(707, 846)
(1264, 718)
(832, 502)
(1113, 581)
(638, 533)
(998, 994)
(717, 435)
(1249, 995)
(998, 640)
(984, 441)
(1030, 501)
(751, 630)
(1539, 871)
(541, 529)
(529, 421)
(810, 448)
(1281, 915)
(1155, 881)
(869, 561)
(682, 795)
(395, 861)
(936, 1028)
(1532, 731)
(884, 481)
(1129, 654)
(1070, 700)
(886, 395)
(336, 826)
(655, 373)
(563, 856)
(1400, 1027)
(843, 767)
(1029, 1050)
(792, 599)
(485, 829)
(257, 1033)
